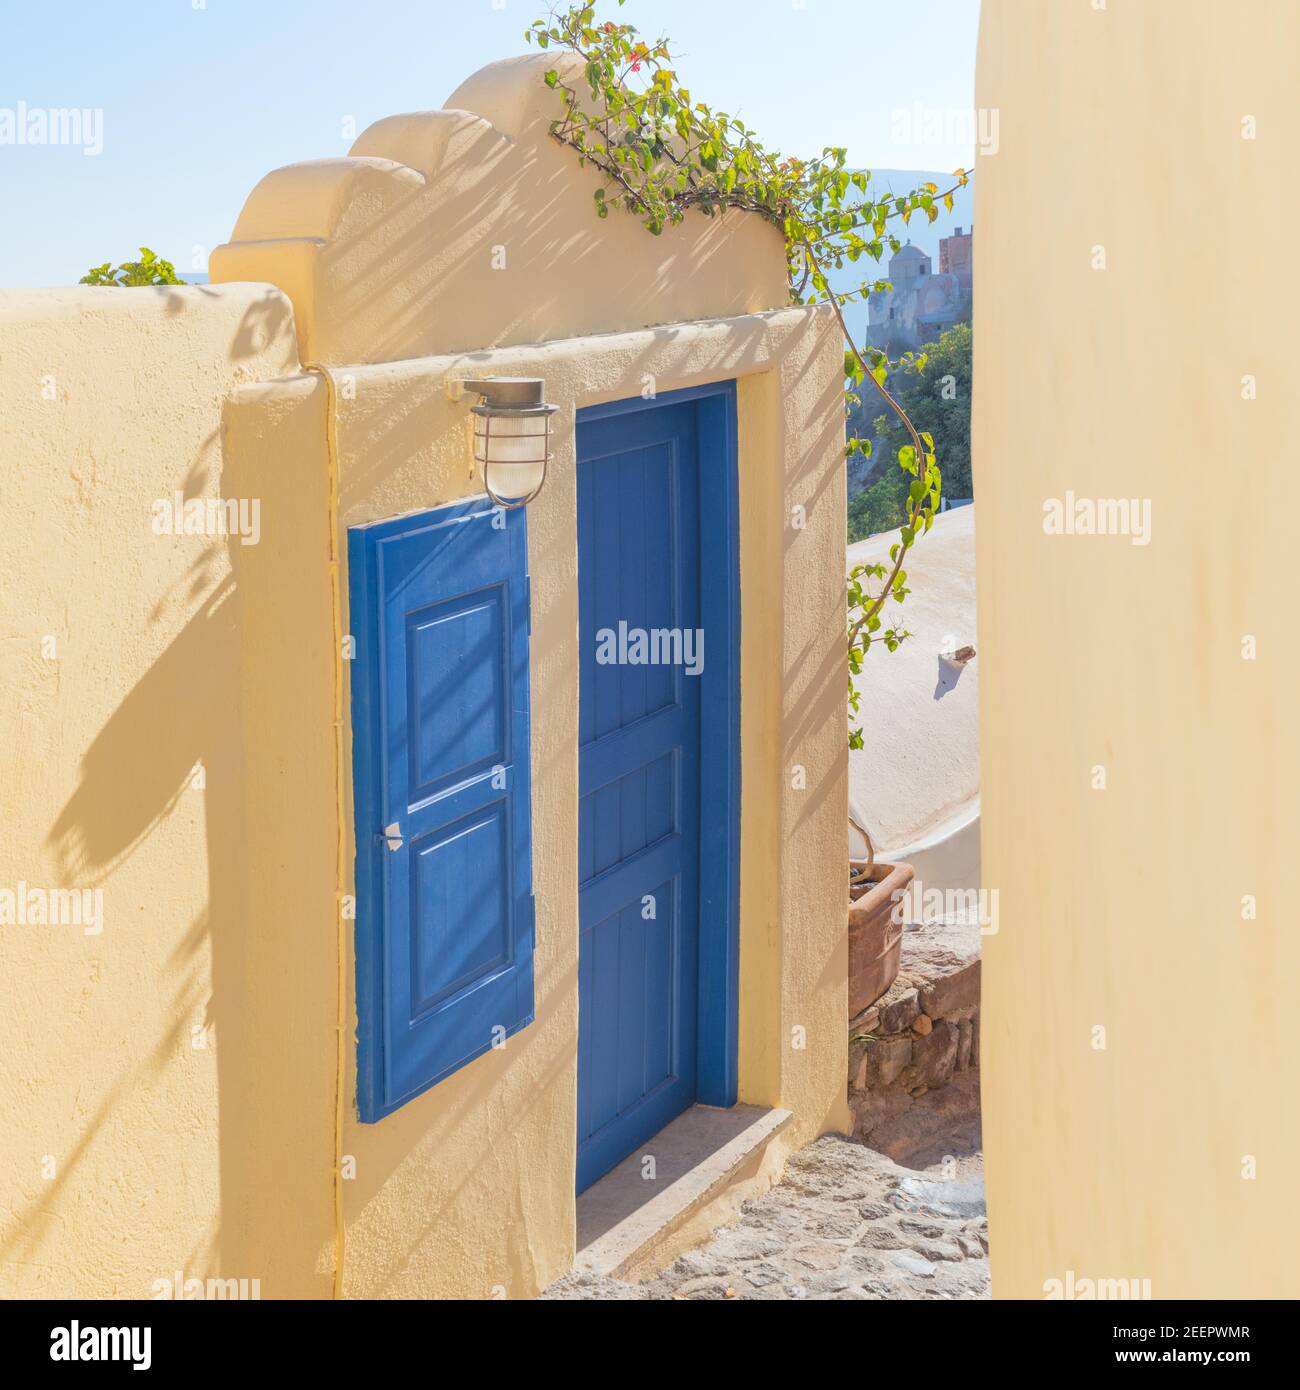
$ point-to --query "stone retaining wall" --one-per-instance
(914, 1054)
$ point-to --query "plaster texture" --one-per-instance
(915, 785)
(178, 1071)
(1126, 1153)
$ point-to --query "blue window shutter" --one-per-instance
(440, 710)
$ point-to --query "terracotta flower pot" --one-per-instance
(875, 939)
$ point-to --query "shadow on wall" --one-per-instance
(178, 729)
(421, 1168)
(469, 1144)
(244, 691)
(815, 677)
(949, 673)
(480, 194)
(449, 231)
(182, 713)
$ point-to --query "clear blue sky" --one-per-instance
(202, 97)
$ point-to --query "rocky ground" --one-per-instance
(846, 1222)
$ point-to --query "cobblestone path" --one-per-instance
(845, 1222)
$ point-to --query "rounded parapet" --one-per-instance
(472, 227)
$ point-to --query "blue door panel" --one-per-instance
(441, 740)
(459, 895)
(455, 690)
(639, 782)
(607, 892)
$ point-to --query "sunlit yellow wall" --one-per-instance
(1121, 909)
(468, 1190)
(222, 903)
(469, 227)
(163, 1108)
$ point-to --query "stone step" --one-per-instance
(706, 1163)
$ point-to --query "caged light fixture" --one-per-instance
(512, 436)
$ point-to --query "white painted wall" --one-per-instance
(915, 785)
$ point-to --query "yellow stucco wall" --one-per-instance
(222, 1160)
(1122, 127)
(162, 1107)
(469, 227)
(468, 1190)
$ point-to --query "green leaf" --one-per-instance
(829, 221)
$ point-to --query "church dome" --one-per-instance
(909, 263)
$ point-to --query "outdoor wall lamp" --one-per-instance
(512, 436)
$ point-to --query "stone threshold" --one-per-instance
(706, 1163)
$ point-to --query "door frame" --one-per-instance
(718, 1024)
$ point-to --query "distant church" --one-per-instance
(922, 305)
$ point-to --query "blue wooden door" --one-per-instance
(440, 614)
(639, 563)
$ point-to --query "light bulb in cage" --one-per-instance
(512, 437)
